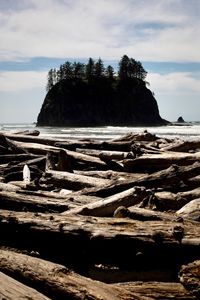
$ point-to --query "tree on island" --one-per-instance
(93, 70)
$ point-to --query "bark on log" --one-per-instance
(165, 178)
(110, 174)
(64, 163)
(11, 146)
(8, 187)
(107, 206)
(16, 157)
(182, 146)
(190, 210)
(30, 139)
(158, 290)
(71, 181)
(164, 201)
(20, 202)
(56, 281)
(190, 277)
(156, 162)
(82, 241)
(103, 154)
(10, 289)
(79, 157)
(143, 136)
(142, 214)
(28, 132)
(98, 145)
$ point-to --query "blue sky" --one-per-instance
(38, 35)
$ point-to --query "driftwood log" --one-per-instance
(190, 277)
(118, 210)
(84, 241)
(58, 282)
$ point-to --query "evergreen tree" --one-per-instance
(141, 73)
(78, 70)
(99, 69)
(124, 68)
(109, 72)
(130, 68)
(54, 76)
(67, 70)
(89, 72)
(49, 80)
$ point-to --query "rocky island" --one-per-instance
(92, 95)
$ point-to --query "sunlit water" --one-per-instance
(187, 132)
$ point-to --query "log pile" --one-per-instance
(115, 219)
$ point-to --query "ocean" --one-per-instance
(186, 131)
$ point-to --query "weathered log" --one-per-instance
(10, 289)
(50, 161)
(8, 187)
(82, 241)
(64, 163)
(98, 145)
(16, 157)
(56, 281)
(191, 210)
(68, 196)
(143, 136)
(142, 214)
(155, 162)
(107, 206)
(61, 283)
(117, 155)
(190, 277)
(79, 157)
(171, 176)
(11, 146)
(28, 132)
(164, 201)
(71, 181)
(20, 202)
(182, 146)
(31, 139)
(158, 290)
(110, 174)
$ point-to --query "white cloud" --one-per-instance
(21, 81)
(177, 94)
(106, 28)
(176, 82)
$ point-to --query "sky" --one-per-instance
(37, 35)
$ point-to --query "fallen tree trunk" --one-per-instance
(191, 210)
(107, 206)
(156, 162)
(169, 177)
(98, 145)
(105, 154)
(20, 202)
(190, 278)
(56, 281)
(182, 146)
(16, 157)
(71, 181)
(164, 201)
(110, 174)
(84, 241)
(78, 157)
(158, 290)
(11, 289)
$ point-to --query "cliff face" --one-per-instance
(99, 103)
